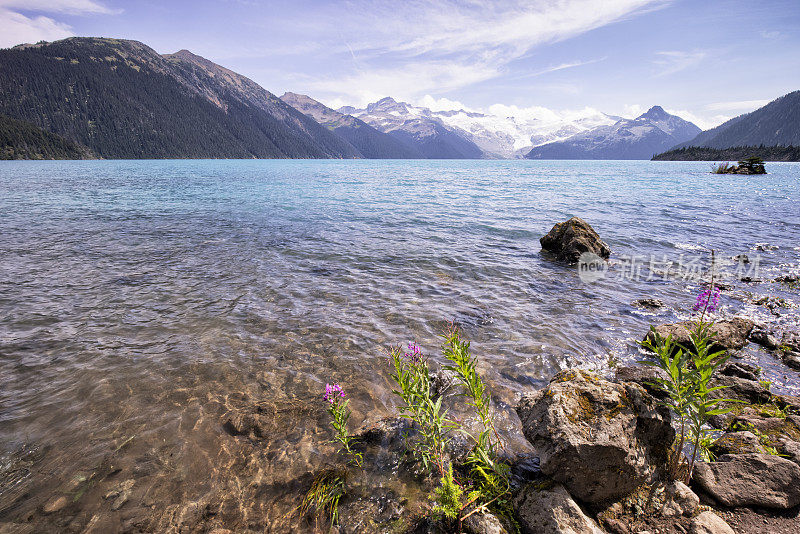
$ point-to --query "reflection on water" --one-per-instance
(143, 305)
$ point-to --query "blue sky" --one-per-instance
(706, 60)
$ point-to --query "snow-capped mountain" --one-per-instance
(496, 135)
(418, 128)
(640, 138)
(367, 141)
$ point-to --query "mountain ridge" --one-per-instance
(122, 99)
(775, 124)
(648, 134)
(370, 142)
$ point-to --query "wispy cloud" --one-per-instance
(740, 105)
(670, 62)
(72, 7)
(421, 46)
(556, 68)
(24, 21)
(704, 122)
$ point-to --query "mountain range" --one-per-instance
(493, 136)
(640, 138)
(113, 98)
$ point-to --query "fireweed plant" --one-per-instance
(340, 414)
(322, 499)
(484, 481)
(480, 482)
(689, 371)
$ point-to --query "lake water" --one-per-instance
(144, 302)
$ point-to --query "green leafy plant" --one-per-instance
(678, 386)
(486, 481)
(704, 443)
(772, 410)
(448, 496)
(322, 499)
(489, 474)
(412, 375)
(689, 372)
(703, 406)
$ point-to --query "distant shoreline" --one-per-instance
(767, 153)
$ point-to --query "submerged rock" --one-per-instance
(55, 505)
(791, 359)
(729, 334)
(601, 440)
(761, 480)
(648, 304)
(569, 239)
(791, 341)
(551, 510)
(759, 336)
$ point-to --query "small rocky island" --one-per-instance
(745, 166)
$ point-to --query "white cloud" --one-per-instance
(404, 83)
(441, 104)
(704, 122)
(740, 105)
(72, 7)
(445, 27)
(632, 111)
(18, 28)
(674, 61)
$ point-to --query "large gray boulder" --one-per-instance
(709, 523)
(729, 334)
(551, 511)
(761, 480)
(791, 449)
(569, 239)
(483, 523)
(600, 439)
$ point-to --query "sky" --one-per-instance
(706, 60)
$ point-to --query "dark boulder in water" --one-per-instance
(569, 239)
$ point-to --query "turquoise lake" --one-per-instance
(142, 302)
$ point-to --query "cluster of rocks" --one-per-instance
(602, 446)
